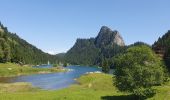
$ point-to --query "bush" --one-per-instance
(137, 70)
(144, 93)
(65, 64)
(55, 65)
(105, 66)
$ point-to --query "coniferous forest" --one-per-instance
(162, 48)
(17, 50)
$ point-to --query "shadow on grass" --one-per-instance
(121, 97)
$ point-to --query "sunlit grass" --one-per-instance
(163, 92)
(16, 87)
(11, 69)
(91, 87)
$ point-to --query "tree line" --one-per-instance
(17, 50)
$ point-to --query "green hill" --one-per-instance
(15, 49)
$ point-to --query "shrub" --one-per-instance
(137, 70)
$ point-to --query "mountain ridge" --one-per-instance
(91, 51)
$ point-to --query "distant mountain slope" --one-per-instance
(15, 49)
(91, 51)
(61, 55)
(162, 47)
(83, 52)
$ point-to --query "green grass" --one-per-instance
(163, 92)
(16, 87)
(11, 69)
(90, 87)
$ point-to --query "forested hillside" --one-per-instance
(83, 52)
(15, 49)
(162, 47)
(94, 51)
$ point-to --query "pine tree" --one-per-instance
(105, 66)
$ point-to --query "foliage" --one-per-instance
(65, 64)
(60, 58)
(162, 48)
(15, 49)
(138, 68)
(144, 93)
(139, 43)
(83, 52)
(105, 66)
(55, 65)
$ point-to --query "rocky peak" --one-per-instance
(118, 39)
(105, 29)
(108, 37)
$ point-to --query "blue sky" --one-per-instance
(54, 25)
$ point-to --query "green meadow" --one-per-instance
(90, 87)
(11, 69)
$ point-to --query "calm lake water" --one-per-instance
(53, 80)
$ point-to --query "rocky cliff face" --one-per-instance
(118, 39)
(108, 37)
(89, 51)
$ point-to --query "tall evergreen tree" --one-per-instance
(105, 66)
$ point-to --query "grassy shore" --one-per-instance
(11, 69)
(16, 87)
(90, 87)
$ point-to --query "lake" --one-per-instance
(53, 80)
